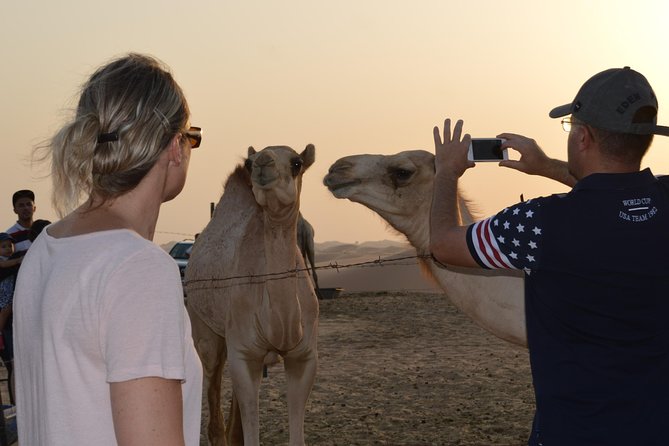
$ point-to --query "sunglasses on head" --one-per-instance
(194, 135)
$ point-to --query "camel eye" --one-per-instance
(296, 166)
(400, 176)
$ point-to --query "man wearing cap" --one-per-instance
(23, 202)
(597, 274)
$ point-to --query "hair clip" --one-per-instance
(107, 137)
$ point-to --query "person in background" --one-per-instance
(36, 228)
(23, 202)
(10, 261)
(104, 353)
(9, 266)
(595, 261)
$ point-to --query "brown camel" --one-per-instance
(250, 298)
(399, 188)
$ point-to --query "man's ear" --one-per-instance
(584, 138)
(589, 136)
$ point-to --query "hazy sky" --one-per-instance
(362, 76)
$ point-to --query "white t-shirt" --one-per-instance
(90, 310)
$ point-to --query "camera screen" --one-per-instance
(487, 149)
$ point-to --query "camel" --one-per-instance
(399, 188)
(250, 298)
(305, 240)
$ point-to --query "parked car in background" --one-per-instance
(180, 252)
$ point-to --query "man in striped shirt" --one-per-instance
(24, 207)
(595, 262)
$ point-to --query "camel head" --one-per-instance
(276, 177)
(397, 187)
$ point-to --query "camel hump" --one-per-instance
(280, 321)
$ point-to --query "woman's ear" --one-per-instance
(175, 153)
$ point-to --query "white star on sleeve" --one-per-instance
(529, 214)
(515, 242)
(536, 231)
(495, 222)
(532, 245)
(515, 211)
(506, 225)
(513, 255)
(520, 228)
(500, 239)
(530, 258)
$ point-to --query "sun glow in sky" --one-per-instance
(351, 77)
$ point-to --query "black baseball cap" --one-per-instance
(618, 100)
(23, 193)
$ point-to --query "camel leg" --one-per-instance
(234, 428)
(300, 377)
(246, 375)
(212, 351)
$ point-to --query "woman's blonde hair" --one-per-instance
(128, 112)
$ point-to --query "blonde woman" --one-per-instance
(104, 352)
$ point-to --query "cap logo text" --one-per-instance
(631, 99)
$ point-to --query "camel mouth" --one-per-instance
(265, 181)
(335, 187)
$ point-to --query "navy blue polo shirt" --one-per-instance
(597, 306)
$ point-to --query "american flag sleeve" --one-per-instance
(511, 239)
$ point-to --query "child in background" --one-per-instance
(9, 266)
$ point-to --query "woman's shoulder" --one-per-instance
(132, 244)
(115, 243)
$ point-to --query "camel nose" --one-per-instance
(337, 172)
(264, 170)
(340, 165)
(264, 160)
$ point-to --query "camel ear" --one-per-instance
(251, 151)
(308, 156)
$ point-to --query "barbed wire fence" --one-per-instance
(190, 236)
(227, 282)
(256, 279)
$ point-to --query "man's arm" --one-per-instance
(448, 239)
(534, 161)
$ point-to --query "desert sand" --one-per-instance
(400, 365)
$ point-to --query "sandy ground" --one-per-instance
(405, 368)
